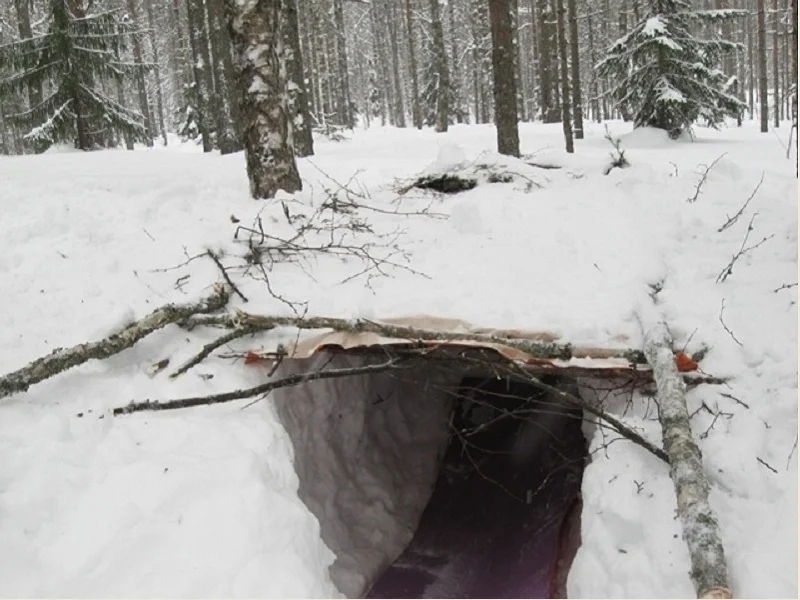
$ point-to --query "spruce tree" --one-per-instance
(76, 54)
(667, 77)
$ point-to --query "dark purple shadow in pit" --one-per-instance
(492, 526)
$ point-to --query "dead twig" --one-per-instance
(225, 275)
(785, 286)
(766, 464)
(62, 359)
(721, 310)
(743, 250)
(732, 220)
(206, 351)
(706, 169)
(259, 390)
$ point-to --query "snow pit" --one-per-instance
(433, 481)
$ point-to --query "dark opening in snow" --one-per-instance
(446, 184)
(436, 480)
(503, 518)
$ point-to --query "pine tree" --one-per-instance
(77, 52)
(665, 76)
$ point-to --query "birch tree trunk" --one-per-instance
(255, 30)
(399, 107)
(505, 93)
(699, 524)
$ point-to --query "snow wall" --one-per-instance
(367, 450)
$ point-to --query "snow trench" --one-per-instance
(424, 486)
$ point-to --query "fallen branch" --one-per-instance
(259, 390)
(62, 359)
(700, 529)
(225, 275)
(576, 402)
(537, 349)
(724, 326)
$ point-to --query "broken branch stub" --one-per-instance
(62, 359)
(700, 529)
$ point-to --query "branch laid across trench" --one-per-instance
(259, 390)
(535, 348)
(700, 529)
(62, 359)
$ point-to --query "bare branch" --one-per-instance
(211, 346)
(743, 250)
(225, 275)
(732, 220)
(62, 359)
(259, 390)
(706, 169)
(721, 310)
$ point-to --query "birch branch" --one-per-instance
(62, 359)
(700, 529)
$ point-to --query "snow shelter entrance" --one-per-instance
(439, 480)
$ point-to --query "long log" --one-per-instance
(700, 529)
(62, 359)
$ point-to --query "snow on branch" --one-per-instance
(62, 359)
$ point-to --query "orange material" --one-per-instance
(685, 362)
(251, 358)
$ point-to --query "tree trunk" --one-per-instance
(162, 126)
(198, 39)
(227, 141)
(399, 106)
(776, 96)
(343, 87)
(700, 529)
(505, 93)
(455, 73)
(514, 8)
(382, 63)
(566, 119)
(794, 90)
(595, 101)
(144, 105)
(26, 32)
(751, 69)
(577, 104)
(255, 30)
(762, 68)
(298, 99)
(416, 114)
(443, 89)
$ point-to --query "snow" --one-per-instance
(225, 501)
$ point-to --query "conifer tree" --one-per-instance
(665, 76)
(77, 52)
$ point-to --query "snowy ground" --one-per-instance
(204, 502)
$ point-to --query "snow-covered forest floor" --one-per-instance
(203, 502)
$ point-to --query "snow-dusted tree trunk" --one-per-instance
(255, 28)
(227, 139)
(416, 113)
(298, 98)
(505, 88)
(575, 66)
(700, 530)
(566, 117)
(762, 68)
(201, 69)
(440, 58)
(156, 70)
(141, 89)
